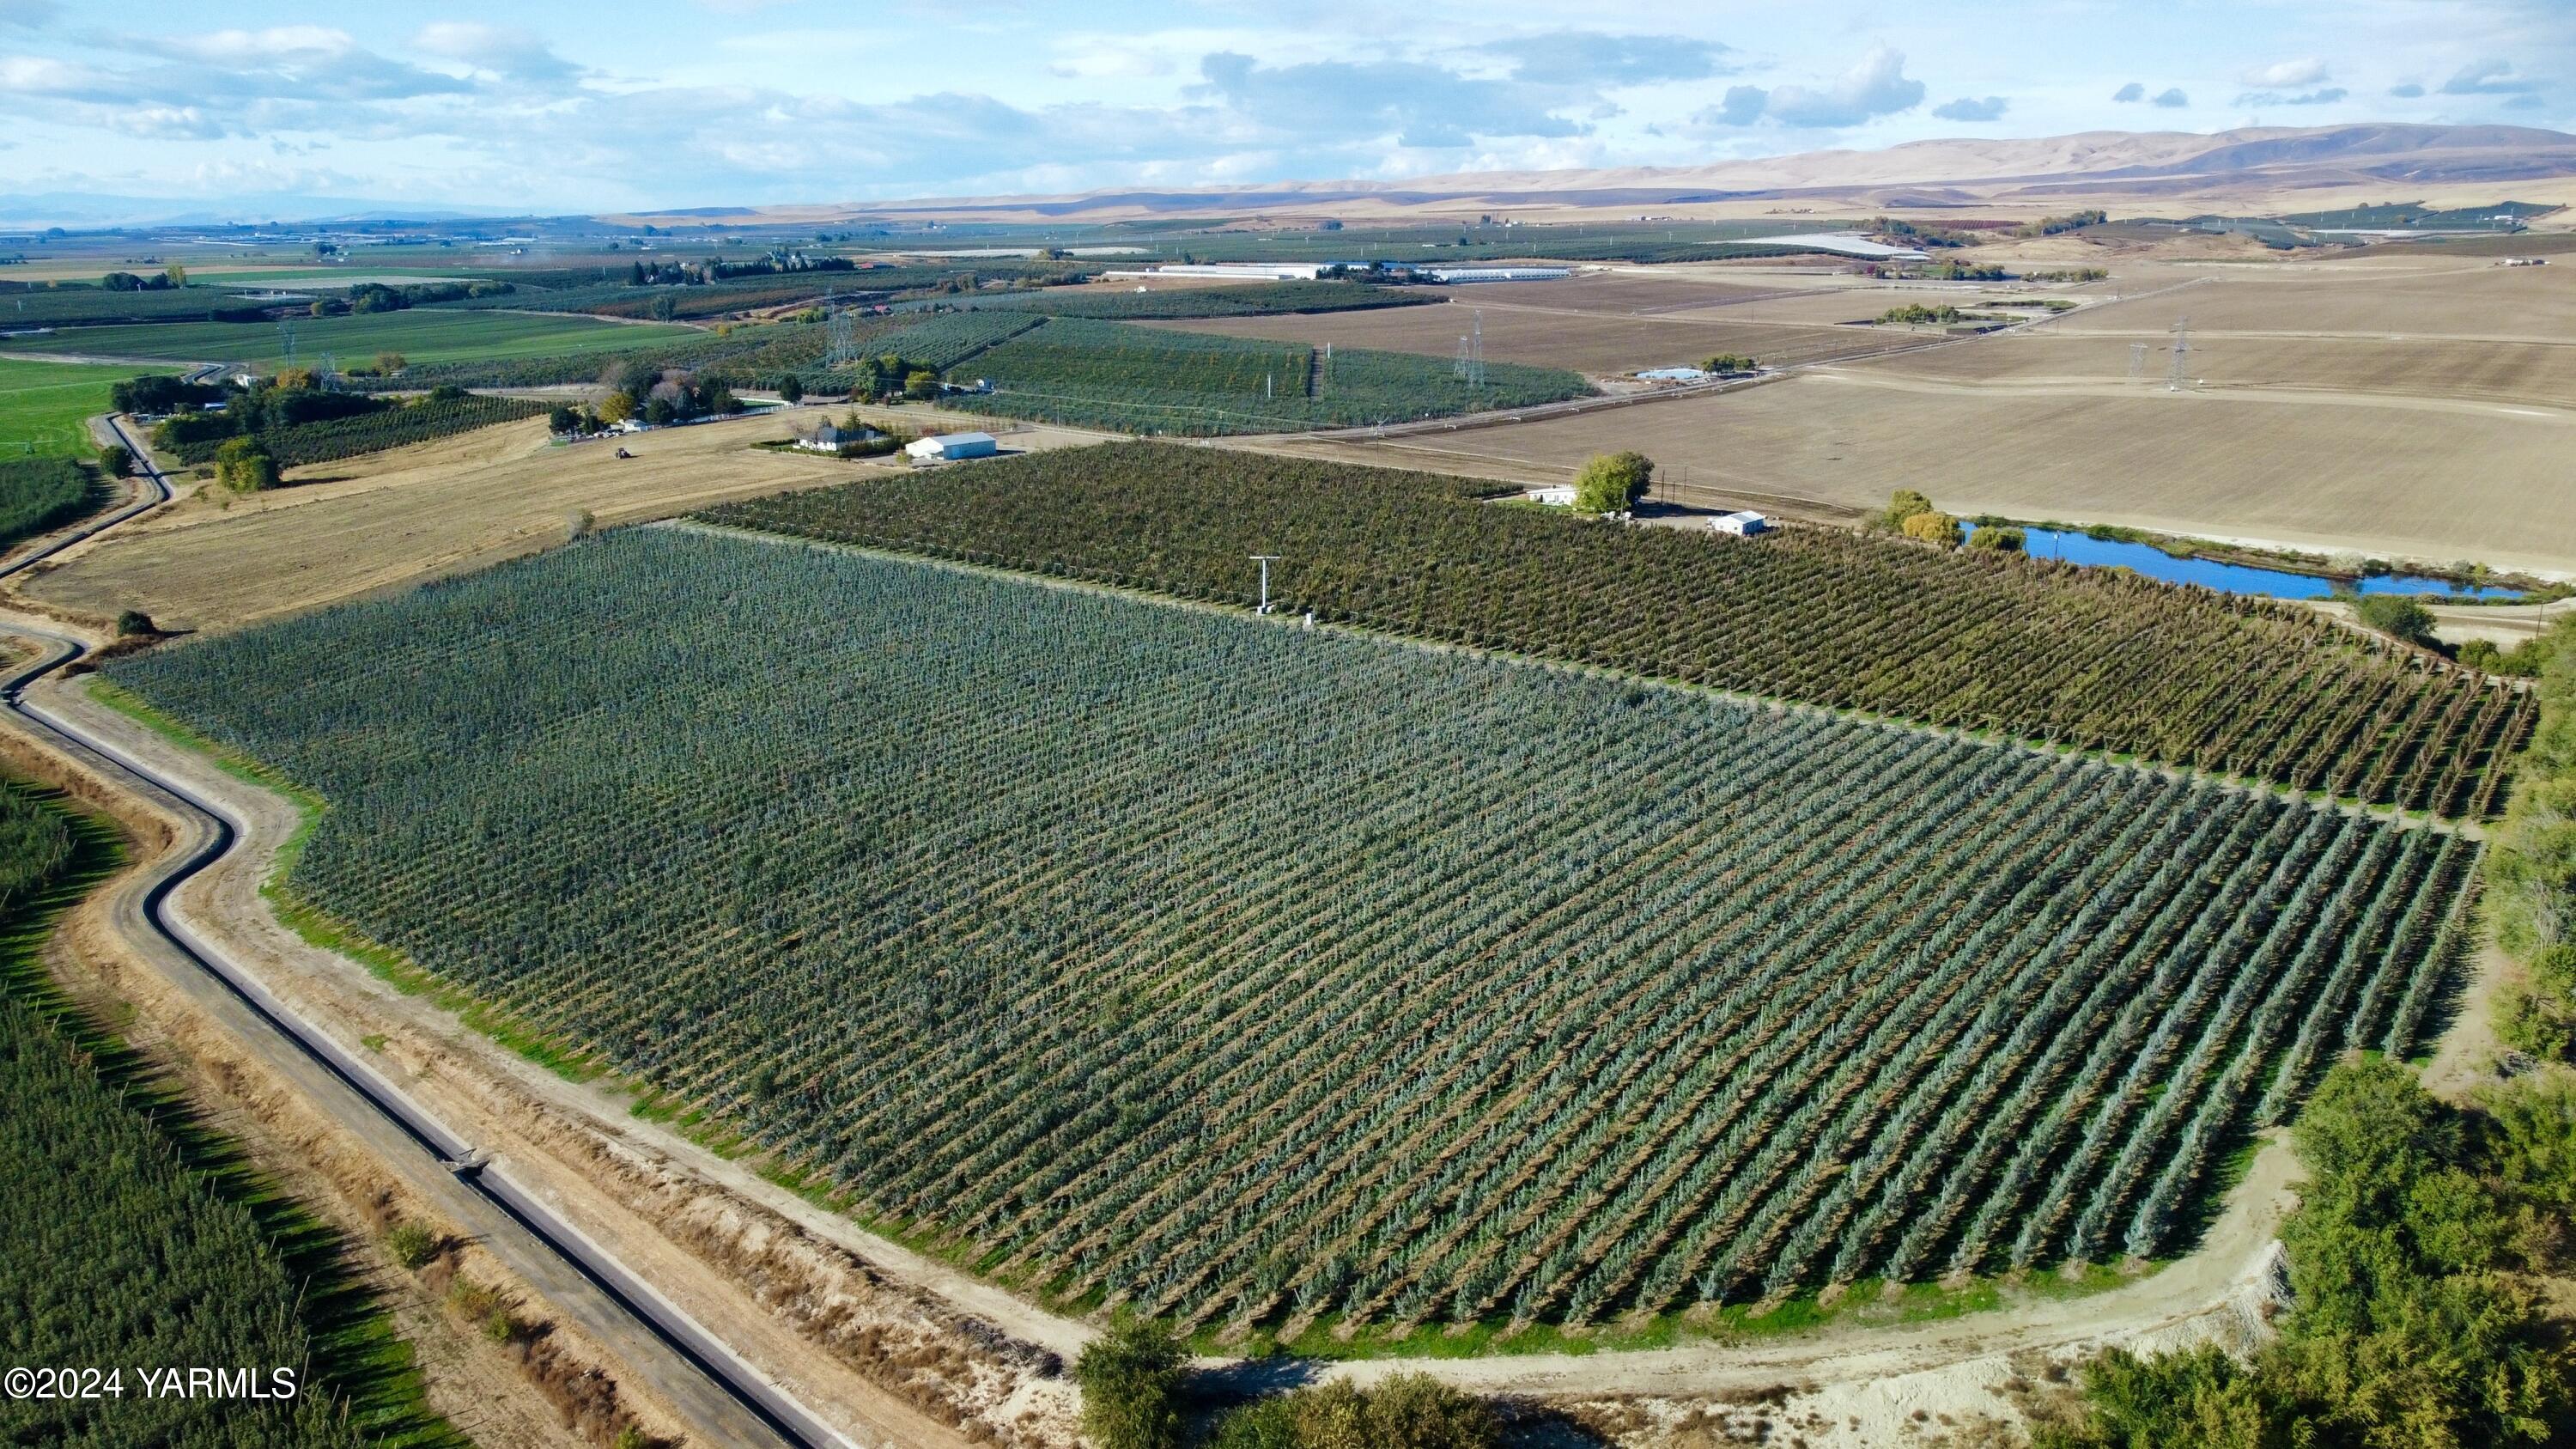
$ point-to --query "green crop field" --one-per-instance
(1134, 379)
(419, 334)
(45, 407)
(1243, 972)
(1983, 641)
(138, 1240)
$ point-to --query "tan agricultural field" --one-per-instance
(440, 507)
(2507, 372)
(1627, 291)
(2425, 480)
(2365, 297)
(1598, 343)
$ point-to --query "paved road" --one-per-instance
(726, 1401)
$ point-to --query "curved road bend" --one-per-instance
(724, 1399)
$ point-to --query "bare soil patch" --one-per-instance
(2415, 297)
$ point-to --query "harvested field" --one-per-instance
(1241, 972)
(1590, 343)
(1621, 292)
(2513, 372)
(2428, 480)
(439, 507)
(2369, 297)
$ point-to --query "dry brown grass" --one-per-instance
(2430, 481)
(371, 523)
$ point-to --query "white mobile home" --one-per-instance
(1741, 525)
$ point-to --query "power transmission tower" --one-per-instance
(2137, 361)
(2181, 345)
(1471, 353)
(329, 371)
(286, 335)
(841, 333)
(1265, 560)
(1323, 377)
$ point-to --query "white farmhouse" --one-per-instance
(949, 447)
(1555, 495)
(829, 437)
(1741, 525)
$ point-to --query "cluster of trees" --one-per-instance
(1613, 482)
(2398, 617)
(1728, 364)
(164, 280)
(368, 298)
(1966, 272)
(667, 274)
(1911, 514)
(162, 393)
(294, 395)
(1920, 235)
(2068, 274)
(2413, 1324)
(2523, 661)
(1917, 314)
(1999, 538)
(890, 374)
(1133, 1385)
(778, 263)
(663, 396)
(2532, 872)
(245, 465)
(2052, 225)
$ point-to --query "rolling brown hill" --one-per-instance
(2259, 168)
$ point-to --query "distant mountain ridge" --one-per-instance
(1960, 172)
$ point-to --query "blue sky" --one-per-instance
(655, 103)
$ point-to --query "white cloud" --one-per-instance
(2326, 97)
(503, 51)
(1586, 58)
(2287, 73)
(1968, 108)
(2133, 91)
(2486, 78)
(1875, 86)
(2172, 98)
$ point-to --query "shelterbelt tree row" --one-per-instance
(1243, 972)
(2030, 648)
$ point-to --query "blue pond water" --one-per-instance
(2231, 578)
